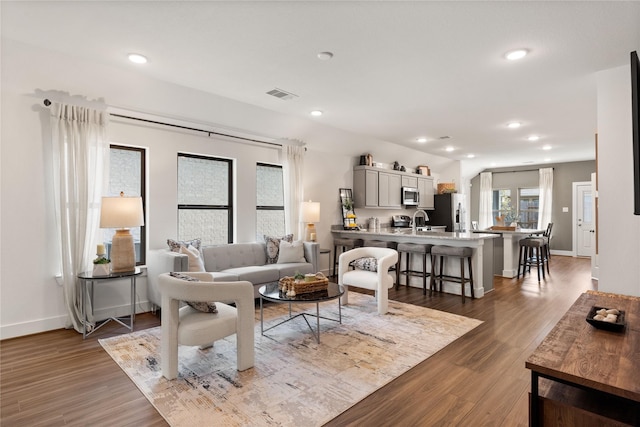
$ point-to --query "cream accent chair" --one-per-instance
(187, 326)
(379, 281)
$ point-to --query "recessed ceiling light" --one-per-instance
(546, 147)
(449, 149)
(547, 160)
(514, 125)
(422, 139)
(136, 58)
(533, 138)
(516, 54)
(470, 156)
(493, 164)
(316, 113)
(325, 56)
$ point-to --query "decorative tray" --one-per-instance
(616, 326)
(502, 227)
(302, 286)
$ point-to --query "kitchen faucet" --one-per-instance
(413, 221)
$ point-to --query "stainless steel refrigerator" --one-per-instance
(450, 210)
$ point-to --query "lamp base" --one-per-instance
(310, 233)
(123, 255)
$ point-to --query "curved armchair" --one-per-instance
(379, 281)
(188, 326)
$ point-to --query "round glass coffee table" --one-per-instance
(271, 292)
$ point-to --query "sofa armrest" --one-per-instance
(312, 254)
(162, 261)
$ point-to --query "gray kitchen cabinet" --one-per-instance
(425, 188)
(409, 181)
(382, 188)
(365, 188)
(389, 190)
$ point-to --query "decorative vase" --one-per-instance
(101, 269)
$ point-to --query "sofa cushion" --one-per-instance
(221, 276)
(273, 247)
(195, 260)
(256, 274)
(291, 252)
(292, 268)
(223, 257)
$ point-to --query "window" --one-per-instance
(528, 207)
(501, 204)
(205, 207)
(269, 201)
(127, 174)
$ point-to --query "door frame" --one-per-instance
(574, 225)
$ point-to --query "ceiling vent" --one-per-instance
(281, 94)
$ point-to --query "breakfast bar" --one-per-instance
(481, 243)
(506, 249)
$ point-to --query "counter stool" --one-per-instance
(532, 252)
(461, 252)
(385, 244)
(409, 249)
(345, 244)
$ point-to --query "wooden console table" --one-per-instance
(594, 373)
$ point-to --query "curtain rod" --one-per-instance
(208, 132)
(521, 170)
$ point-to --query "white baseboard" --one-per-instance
(563, 253)
(59, 322)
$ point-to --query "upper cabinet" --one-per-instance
(365, 188)
(409, 181)
(382, 188)
(389, 190)
(426, 190)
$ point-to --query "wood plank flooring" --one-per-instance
(57, 379)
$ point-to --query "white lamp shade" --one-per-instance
(121, 212)
(310, 211)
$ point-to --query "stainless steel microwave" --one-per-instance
(410, 196)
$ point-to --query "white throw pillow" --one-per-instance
(195, 261)
(291, 252)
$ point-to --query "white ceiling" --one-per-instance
(400, 69)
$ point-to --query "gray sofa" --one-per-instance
(232, 262)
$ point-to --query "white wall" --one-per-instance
(619, 229)
(30, 298)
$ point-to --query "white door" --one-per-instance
(585, 226)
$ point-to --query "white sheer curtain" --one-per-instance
(485, 219)
(293, 164)
(546, 197)
(80, 174)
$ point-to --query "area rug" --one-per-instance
(295, 381)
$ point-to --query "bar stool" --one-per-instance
(461, 252)
(409, 249)
(532, 252)
(385, 244)
(345, 244)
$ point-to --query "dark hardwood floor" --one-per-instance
(56, 378)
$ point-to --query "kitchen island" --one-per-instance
(482, 259)
(507, 249)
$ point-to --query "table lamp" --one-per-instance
(310, 215)
(122, 213)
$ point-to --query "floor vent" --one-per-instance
(282, 94)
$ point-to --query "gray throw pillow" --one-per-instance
(206, 307)
(273, 247)
(366, 263)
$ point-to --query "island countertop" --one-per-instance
(408, 235)
(480, 243)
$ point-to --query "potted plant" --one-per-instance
(101, 266)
